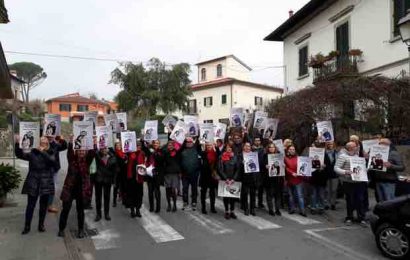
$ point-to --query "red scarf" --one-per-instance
(120, 154)
(172, 153)
(134, 159)
(226, 156)
(211, 156)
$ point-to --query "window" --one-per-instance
(258, 101)
(223, 99)
(208, 102)
(303, 61)
(65, 107)
(203, 74)
(208, 121)
(342, 45)
(219, 70)
(192, 106)
(400, 8)
(82, 108)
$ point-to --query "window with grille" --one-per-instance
(208, 102)
(303, 61)
(82, 108)
(65, 107)
(219, 70)
(400, 8)
(203, 74)
(258, 101)
(223, 99)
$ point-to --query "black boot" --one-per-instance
(81, 234)
(97, 218)
(60, 233)
(41, 228)
(203, 210)
(138, 213)
(26, 230)
(133, 213)
(213, 210)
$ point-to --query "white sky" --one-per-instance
(172, 30)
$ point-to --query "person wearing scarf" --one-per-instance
(172, 170)
(249, 184)
(209, 178)
(273, 185)
(120, 179)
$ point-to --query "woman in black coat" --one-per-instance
(209, 177)
(39, 181)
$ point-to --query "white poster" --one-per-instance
(358, 168)
(83, 135)
(104, 137)
(169, 122)
(122, 121)
(237, 117)
(151, 130)
(52, 125)
(112, 121)
(231, 190)
(259, 122)
(220, 131)
(276, 165)
(128, 142)
(325, 131)
(192, 126)
(279, 145)
(304, 166)
(318, 157)
(248, 119)
(367, 144)
(206, 132)
(251, 162)
(91, 116)
(271, 128)
(379, 154)
(179, 132)
(29, 135)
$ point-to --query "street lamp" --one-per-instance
(404, 28)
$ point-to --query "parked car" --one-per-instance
(390, 224)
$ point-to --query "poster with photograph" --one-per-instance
(122, 121)
(111, 120)
(104, 137)
(248, 120)
(206, 133)
(358, 168)
(141, 169)
(276, 165)
(29, 135)
(304, 166)
(367, 144)
(271, 128)
(251, 162)
(318, 157)
(231, 190)
(151, 130)
(379, 154)
(192, 126)
(83, 135)
(325, 131)
(279, 145)
(260, 118)
(220, 131)
(237, 117)
(169, 122)
(179, 132)
(52, 125)
(91, 116)
(128, 141)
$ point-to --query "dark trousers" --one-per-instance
(274, 191)
(212, 196)
(31, 205)
(248, 196)
(191, 180)
(229, 204)
(154, 192)
(355, 199)
(99, 189)
(66, 210)
(260, 195)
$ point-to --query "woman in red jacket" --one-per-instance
(294, 182)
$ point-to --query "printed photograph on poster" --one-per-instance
(304, 166)
(318, 157)
(83, 135)
(251, 162)
(128, 141)
(179, 132)
(367, 144)
(276, 165)
(358, 169)
(29, 135)
(141, 169)
(279, 145)
(379, 154)
(52, 125)
(206, 132)
(271, 128)
(104, 137)
(220, 131)
(192, 126)
(248, 119)
(232, 190)
(112, 121)
(237, 116)
(169, 122)
(260, 118)
(151, 130)
(122, 121)
(325, 131)
(91, 116)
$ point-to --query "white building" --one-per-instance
(16, 86)
(224, 83)
(342, 25)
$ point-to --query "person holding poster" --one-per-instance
(319, 178)
(209, 177)
(294, 182)
(332, 178)
(258, 148)
(120, 178)
(229, 172)
(273, 183)
(249, 166)
(172, 170)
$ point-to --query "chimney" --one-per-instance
(13, 72)
(290, 13)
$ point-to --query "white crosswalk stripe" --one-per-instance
(300, 219)
(107, 237)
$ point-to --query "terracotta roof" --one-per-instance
(225, 57)
(227, 81)
(76, 98)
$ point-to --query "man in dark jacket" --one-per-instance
(257, 147)
(332, 177)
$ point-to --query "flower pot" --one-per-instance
(3, 199)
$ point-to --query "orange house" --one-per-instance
(73, 106)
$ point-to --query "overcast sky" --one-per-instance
(137, 30)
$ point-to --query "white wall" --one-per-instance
(244, 96)
(211, 70)
(236, 70)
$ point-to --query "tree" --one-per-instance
(32, 74)
(152, 87)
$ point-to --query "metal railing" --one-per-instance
(340, 66)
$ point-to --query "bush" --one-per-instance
(9, 179)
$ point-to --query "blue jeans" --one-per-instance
(318, 197)
(386, 190)
(296, 194)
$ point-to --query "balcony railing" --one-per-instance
(342, 66)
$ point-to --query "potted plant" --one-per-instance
(355, 52)
(9, 180)
(317, 61)
(333, 54)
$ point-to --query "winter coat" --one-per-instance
(329, 165)
(154, 158)
(291, 166)
(106, 171)
(58, 145)
(39, 180)
(342, 165)
(266, 180)
(171, 163)
(190, 161)
(250, 179)
(229, 169)
(209, 176)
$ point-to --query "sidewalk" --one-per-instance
(35, 245)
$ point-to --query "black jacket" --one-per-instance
(171, 163)
(229, 169)
(58, 146)
(330, 166)
(106, 171)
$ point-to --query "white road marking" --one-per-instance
(254, 221)
(158, 229)
(107, 237)
(300, 219)
(88, 256)
(212, 225)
